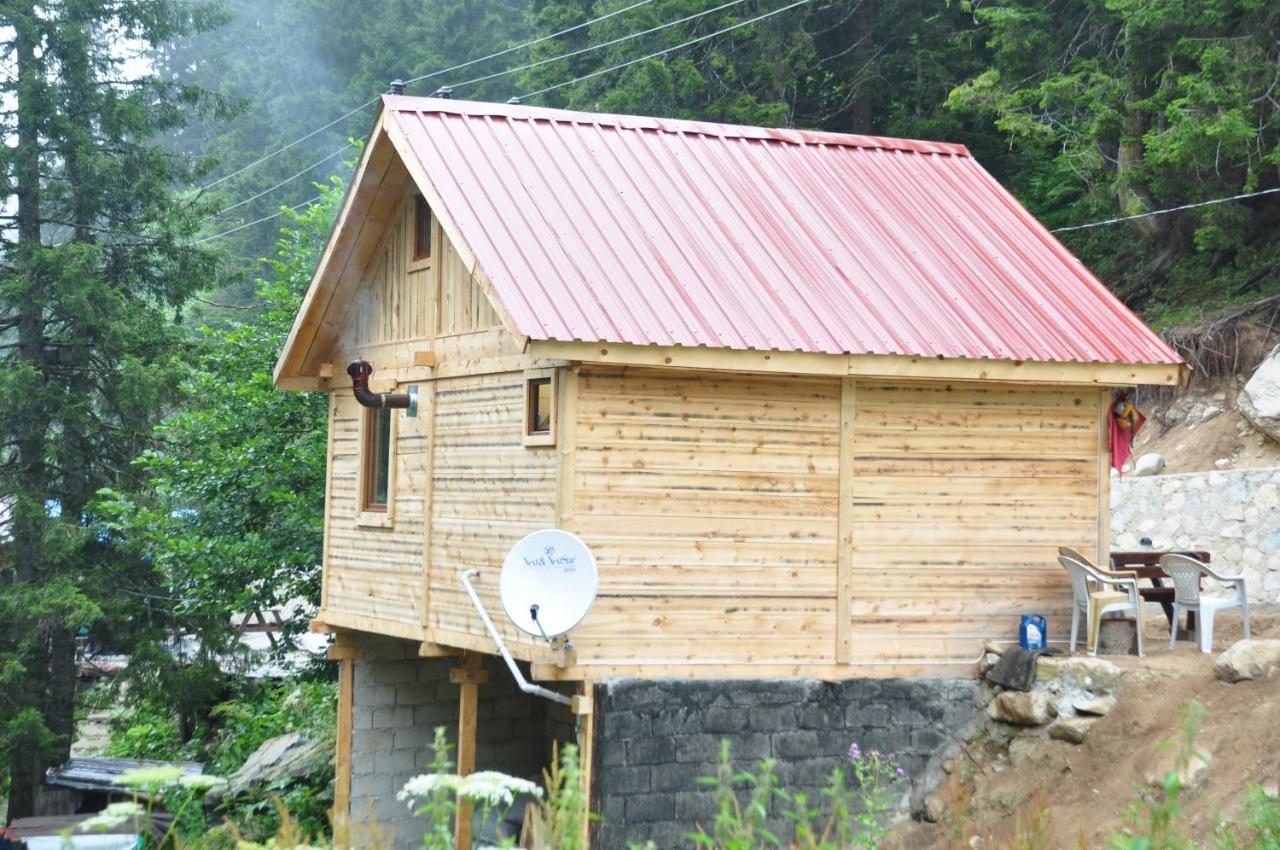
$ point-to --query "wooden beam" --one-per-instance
(881, 366)
(427, 408)
(582, 707)
(424, 358)
(845, 530)
(1104, 478)
(342, 757)
(325, 370)
(427, 649)
(469, 676)
(908, 668)
(373, 625)
(540, 654)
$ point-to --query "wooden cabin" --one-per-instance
(823, 406)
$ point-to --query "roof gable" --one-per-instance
(624, 229)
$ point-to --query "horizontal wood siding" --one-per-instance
(375, 572)
(710, 502)
(961, 496)
(489, 491)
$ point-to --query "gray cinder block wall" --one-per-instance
(400, 699)
(1234, 514)
(654, 739)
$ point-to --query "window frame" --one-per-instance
(532, 379)
(421, 207)
(373, 514)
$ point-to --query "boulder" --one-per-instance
(1030, 708)
(1259, 401)
(289, 756)
(1190, 775)
(1211, 411)
(1249, 659)
(1071, 729)
(1149, 464)
(1082, 671)
(1096, 706)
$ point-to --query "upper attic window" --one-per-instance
(421, 228)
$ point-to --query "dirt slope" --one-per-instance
(1084, 790)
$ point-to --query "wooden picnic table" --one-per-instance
(1145, 563)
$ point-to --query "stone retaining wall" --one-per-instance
(656, 738)
(1234, 514)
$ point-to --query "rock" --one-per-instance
(1032, 708)
(1249, 659)
(1118, 636)
(1259, 401)
(933, 809)
(988, 661)
(1048, 756)
(1149, 464)
(285, 757)
(1097, 706)
(993, 647)
(1210, 412)
(1090, 674)
(1222, 462)
(1190, 775)
(1071, 729)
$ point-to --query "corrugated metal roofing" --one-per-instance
(622, 229)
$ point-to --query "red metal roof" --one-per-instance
(621, 229)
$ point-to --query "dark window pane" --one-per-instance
(540, 406)
(378, 471)
(421, 228)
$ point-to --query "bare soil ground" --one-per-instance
(1083, 791)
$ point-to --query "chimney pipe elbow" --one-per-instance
(360, 370)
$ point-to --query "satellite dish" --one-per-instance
(548, 583)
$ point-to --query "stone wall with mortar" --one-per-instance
(1234, 514)
(400, 699)
(654, 739)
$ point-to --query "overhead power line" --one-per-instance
(286, 180)
(658, 53)
(527, 44)
(600, 46)
(275, 214)
(1164, 211)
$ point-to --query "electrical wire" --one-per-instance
(286, 180)
(275, 214)
(600, 46)
(295, 142)
(1168, 210)
(658, 53)
(527, 44)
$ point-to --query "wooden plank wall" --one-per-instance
(375, 573)
(710, 502)
(394, 299)
(489, 490)
(463, 306)
(961, 496)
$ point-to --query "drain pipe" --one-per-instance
(466, 576)
(360, 370)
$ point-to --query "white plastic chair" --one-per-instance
(1095, 604)
(1185, 572)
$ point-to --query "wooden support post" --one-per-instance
(584, 708)
(342, 758)
(470, 676)
(844, 535)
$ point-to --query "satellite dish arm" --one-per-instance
(528, 688)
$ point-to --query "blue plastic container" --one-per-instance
(1032, 634)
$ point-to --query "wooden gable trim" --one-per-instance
(381, 181)
(882, 366)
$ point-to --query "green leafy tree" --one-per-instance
(96, 263)
(227, 513)
(1121, 107)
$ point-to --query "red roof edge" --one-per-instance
(519, 112)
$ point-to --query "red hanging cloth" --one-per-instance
(1124, 421)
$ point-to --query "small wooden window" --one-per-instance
(377, 459)
(421, 228)
(540, 407)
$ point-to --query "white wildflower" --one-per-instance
(493, 788)
(112, 816)
(201, 781)
(427, 784)
(150, 778)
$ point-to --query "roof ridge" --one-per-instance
(521, 112)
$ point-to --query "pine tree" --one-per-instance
(96, 264)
